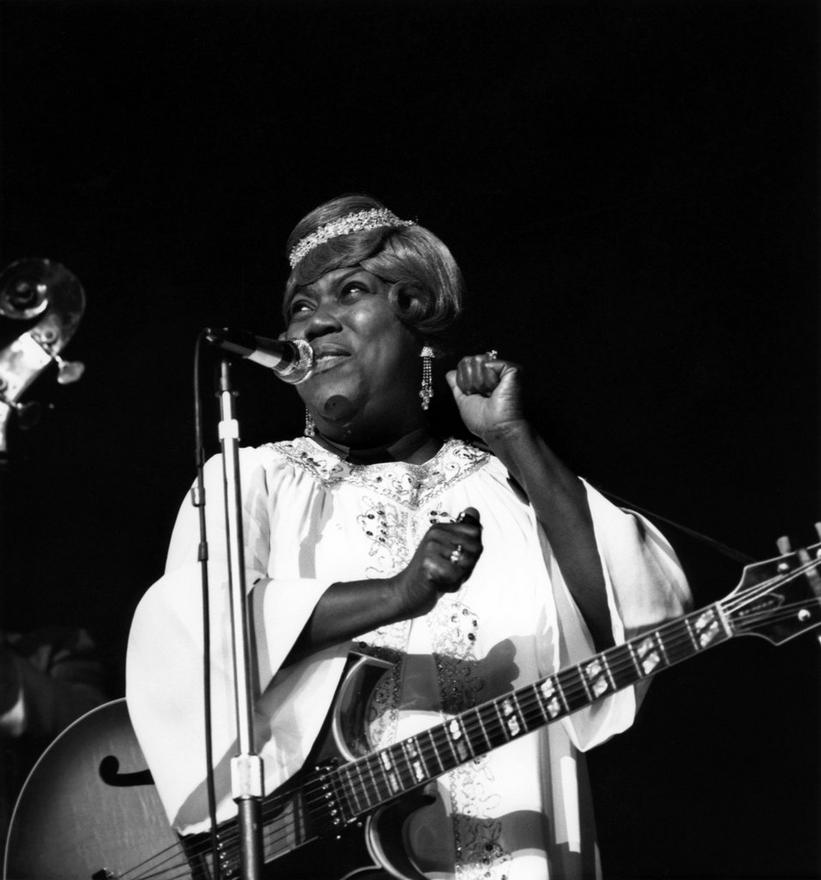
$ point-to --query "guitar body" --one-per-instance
(373, 848)
(89, 804)
(370, 850)
(89, 809)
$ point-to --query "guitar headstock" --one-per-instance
(779, 598)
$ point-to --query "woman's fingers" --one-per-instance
(443, 561)
(455, 550)
(478, 374)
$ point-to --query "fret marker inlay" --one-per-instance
(456, 736)
(389, 774)
(511, 720)
(649, 657)
(551, 701)
(596, 677)
(707, 627)
(413, 760)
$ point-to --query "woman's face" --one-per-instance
(365, 384)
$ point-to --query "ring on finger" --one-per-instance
(492, 354)
(456, 555)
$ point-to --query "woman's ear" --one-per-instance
(409, 299)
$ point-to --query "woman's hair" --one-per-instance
(427, 286)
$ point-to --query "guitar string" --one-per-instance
(226, 837)
(161, 869)
(274, 803)
(767, 585)
(183, 870)
(172, 851)
(528, 702)
(683, 637)
(530, 707)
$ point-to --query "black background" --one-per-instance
(631, 190)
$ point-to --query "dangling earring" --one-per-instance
(310, 427)
(426, 392)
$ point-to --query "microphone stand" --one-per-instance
(246, 766)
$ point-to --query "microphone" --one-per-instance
(291, 360)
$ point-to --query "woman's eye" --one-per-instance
(299, 310)
(354, 288)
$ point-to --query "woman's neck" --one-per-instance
(415, 447)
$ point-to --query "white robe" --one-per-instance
(311, 519)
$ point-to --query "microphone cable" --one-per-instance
(198, 500)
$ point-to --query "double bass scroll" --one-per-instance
(47, 292)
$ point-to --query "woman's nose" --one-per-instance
(324, 320)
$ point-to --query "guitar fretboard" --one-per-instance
(381, 776)
(778, 599)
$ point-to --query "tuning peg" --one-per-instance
(784, 547)
(68, 371)
(818, 529)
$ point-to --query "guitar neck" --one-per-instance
(777, 599)
(382, 776)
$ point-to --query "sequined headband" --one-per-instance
(360, 221)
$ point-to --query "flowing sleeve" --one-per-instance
(645, 587)
(164, 669)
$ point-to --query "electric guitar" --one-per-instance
(89, 810)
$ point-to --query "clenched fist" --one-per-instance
(443, 561)
(487, 390)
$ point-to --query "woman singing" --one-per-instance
(471, 569)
